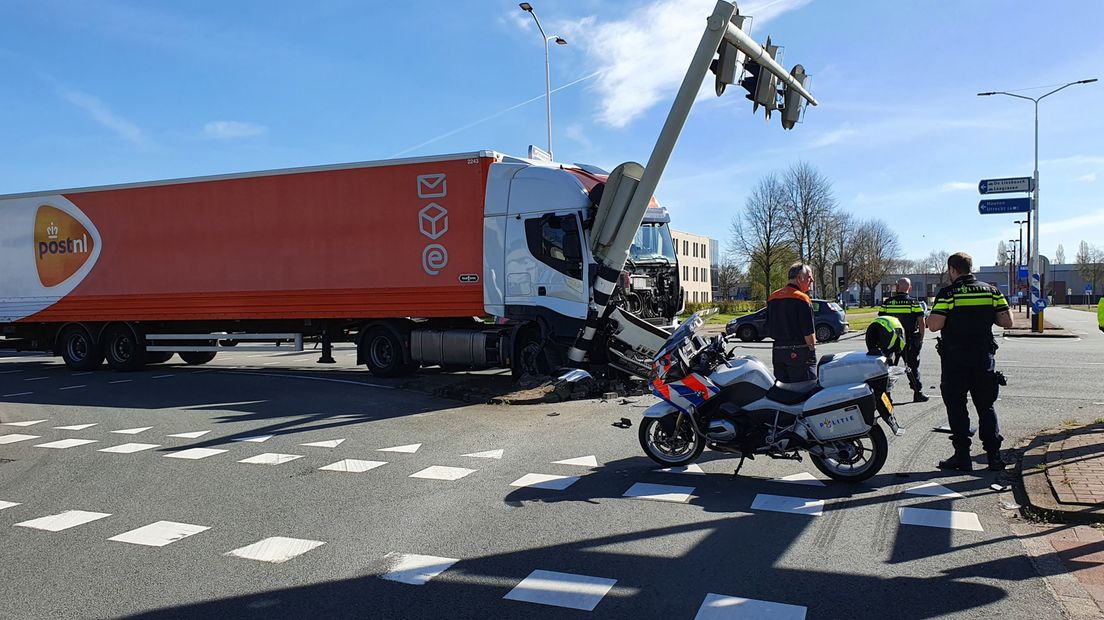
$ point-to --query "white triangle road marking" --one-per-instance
(932, 489)
(489, 454)
(332, 443)
(409, 449)
(582, 461)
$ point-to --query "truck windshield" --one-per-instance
(653, 243)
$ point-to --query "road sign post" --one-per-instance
(1004, 205)
(1006, 186)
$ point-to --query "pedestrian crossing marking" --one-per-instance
(16, 437)
(440, 472)
(932, 489)
(410, 449)
(159, 534)
(946, 519)
(791, 505)
(75, 427)
(129, 448)
(582, 461)
(660, 492)
(545, 481)
(190, 435)
(132, 431)
(63, 520)
(354, 466)
(4, 504)
(332, 443)
(414, 569)
(692, 468)
(489, 454)
(275, 550)
(271, 458)
(253, 439)
(194, 453)
(561, 590)
(719, 607)
(802, 478)
(65, 443)
(24, 423)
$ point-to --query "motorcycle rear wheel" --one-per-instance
(864, 461)
(670, 451)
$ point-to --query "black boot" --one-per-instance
(959, 462)
(919, 397)
(995, 460)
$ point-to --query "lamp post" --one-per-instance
(1033, 252)
(1013, 270)
(528, 8)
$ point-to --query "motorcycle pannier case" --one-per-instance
(840, 412)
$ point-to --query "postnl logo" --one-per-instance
(62, 245)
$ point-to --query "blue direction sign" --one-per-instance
(1005, 186)
(1022, 272)
(1004, 205)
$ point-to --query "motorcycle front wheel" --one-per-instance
(854, 460)
(676, 449)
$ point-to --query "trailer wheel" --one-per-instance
(532, 356)
(123, 348)
(196, 358)
(382, 351)
(158, 357)
(78, 349)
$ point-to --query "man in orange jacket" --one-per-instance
(790, 325)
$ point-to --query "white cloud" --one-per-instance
(223, 130)
(1075, 160)
(102, 114)
(576, 132)
(644, 56)
(958, 186)
(1087, 178)
(1077, 223)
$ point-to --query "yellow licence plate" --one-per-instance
(888, 404)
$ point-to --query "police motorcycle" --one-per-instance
(712, 398)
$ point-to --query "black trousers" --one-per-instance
(912, 362)
(794, 364)
(981, 384)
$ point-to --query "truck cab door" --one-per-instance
(545, 263)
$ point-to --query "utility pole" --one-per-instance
(528, 8)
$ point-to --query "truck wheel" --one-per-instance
(158, 357)
(78, 349)
(532, 356)
(383, 353)
(196, 358)
(122, 348)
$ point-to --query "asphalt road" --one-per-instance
(844, 552)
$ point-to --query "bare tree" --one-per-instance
(1060, 255)
(1090, 263)
(935, 267)
(1002, 254)
(729, 279)
(760, 235)
(877, 250)
(809, 201)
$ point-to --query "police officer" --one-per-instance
(790, 325)
(965, 313)
(911, 315)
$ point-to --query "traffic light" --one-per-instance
(762, 86)
(726, 66)
(793, 104)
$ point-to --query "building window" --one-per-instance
(685, 273)
(685, 248)
(695, 272)
(695, 297)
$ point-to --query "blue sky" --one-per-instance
(114, 91)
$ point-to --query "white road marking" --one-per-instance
(660, 492)
(276, 549)
(332, 443)
(4, 504)
(24, 423)
(803, 478)
(411, 449)
(80, 374)
(271, 458)
(291, 376)
(440, 472)
(692, 468)
(14, 437)
(130, 448)
(271, 363)
(132, 431)
(66, 443)
(9, 372)
(18, 394)
(209, 406)
(489, 454)
(791, 505)
(946, 519)
(75, 427)
(190, 435)
(545, 481)
(582, 461)
(253, 439)
(719, 607)
(72, 387)
(415, 569)
(354, 466)
(121, 381)
(159, 534)
(35, 378)
(934, 490)
(194, 453)
(161, 376)
(561, 590)
(63, 521)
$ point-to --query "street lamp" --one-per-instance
(1019, 261)
(1033, 240)
(528, 8)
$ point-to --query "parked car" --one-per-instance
(829, 321)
